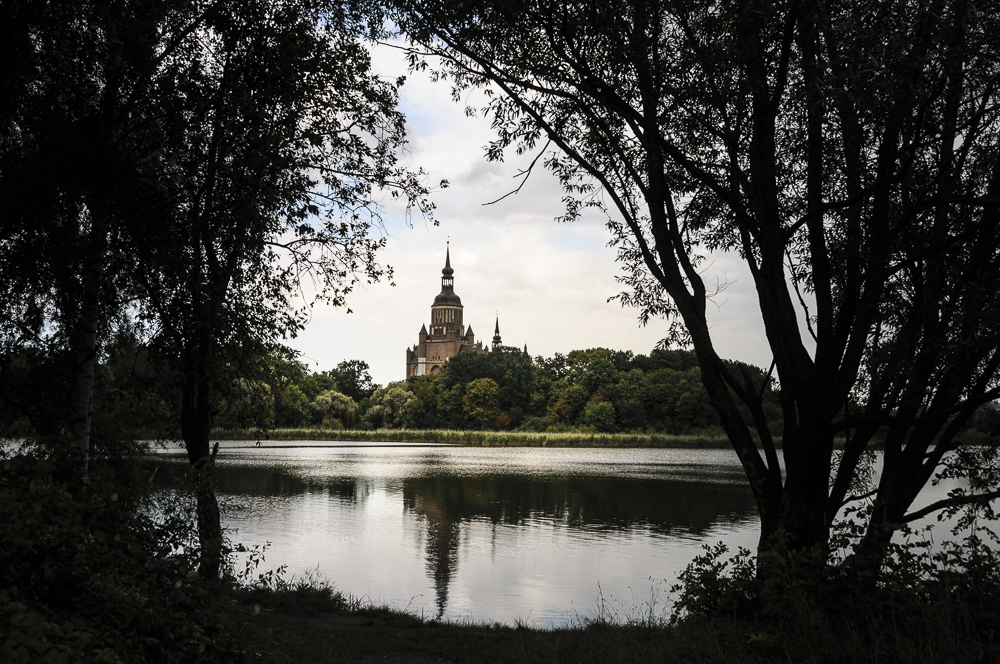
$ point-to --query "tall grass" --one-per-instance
(487, 438)
(297, 621)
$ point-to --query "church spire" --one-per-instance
(447, 278)
(496, 333)
(447, 271)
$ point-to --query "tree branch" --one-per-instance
(956, 501)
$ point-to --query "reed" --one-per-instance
(487, 438)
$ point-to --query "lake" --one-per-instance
(544, 536)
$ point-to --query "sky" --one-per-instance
(548, 281)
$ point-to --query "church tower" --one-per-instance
(446, 336)
(446, 312)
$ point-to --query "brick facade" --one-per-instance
(447, 336)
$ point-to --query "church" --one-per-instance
(447, 337)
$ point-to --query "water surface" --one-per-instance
(540, 535)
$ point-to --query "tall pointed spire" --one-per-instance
(496, 333)
(447, 271)
(447, 295)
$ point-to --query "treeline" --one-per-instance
(593, 390)
(136, 395)
(585, 390)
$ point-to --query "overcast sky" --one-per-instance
(549, 281)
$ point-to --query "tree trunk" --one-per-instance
(196, 425)
(85, 365)
(801, 516)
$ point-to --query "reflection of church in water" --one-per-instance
(447, 337)
(443, 523)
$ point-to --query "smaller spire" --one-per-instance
(423, 329)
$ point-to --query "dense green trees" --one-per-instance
(591, 390)
(848, 153)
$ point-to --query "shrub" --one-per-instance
(816, 609)
(98, 576)
(536, 424)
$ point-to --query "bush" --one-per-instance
(536, 424)
(332, 424)
(101, 576)
(716, 586)
(814, 609)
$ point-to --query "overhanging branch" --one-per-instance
(956, 501)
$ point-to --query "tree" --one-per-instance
(593, 370)
(449, 406)
(600, 415)
(481, 403)
(511, 369)
(393, 407)
(353, 379)
(567, 402)
(332, 407)
(214, 156)
(74, 126)
(281, 142)
(847, 152)
(514, 372)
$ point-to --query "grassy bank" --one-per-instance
(486, 438)
(309, 623)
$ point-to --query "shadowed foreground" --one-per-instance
(310, 623)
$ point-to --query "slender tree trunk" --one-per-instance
(196, 425)
(86, 345)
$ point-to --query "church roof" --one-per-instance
(447, 298)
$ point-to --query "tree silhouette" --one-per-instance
(848, 153)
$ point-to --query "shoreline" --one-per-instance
(485, 438)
